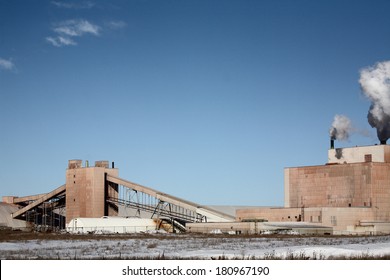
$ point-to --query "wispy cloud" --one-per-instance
(6, 64)
(73, 5)
(77, 28)
(116, 24)
(60, 41)
(67, 30)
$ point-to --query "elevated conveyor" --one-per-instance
(40, 199)
(158, 203)
(109, 192)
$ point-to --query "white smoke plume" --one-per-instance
(341, 128)
(375, 84)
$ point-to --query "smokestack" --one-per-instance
(331, 143)
(383, 142)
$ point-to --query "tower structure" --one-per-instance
(87, 190)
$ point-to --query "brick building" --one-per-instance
(351, 193)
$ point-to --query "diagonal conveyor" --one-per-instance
(211, 214)
(39, 201)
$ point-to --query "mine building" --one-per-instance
(349, 194)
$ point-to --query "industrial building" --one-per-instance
(93, 192)
(350, 194)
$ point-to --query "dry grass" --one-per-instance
(19, 235)
(7, 234)
(221, 257)
(128, 244)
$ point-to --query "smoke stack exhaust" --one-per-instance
(375, 84)
(340, 129)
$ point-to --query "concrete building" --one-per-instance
(87, 190)
(93, 192)
(351, 193)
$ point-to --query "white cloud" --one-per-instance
(116, 24)
(67, 30)
(6, 64)
(73, 5)
(77, 28)
(61, 41)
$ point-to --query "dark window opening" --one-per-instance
(368, 158)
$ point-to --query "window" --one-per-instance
(368, 158)
(333, 220)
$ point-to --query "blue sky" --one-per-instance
(205, 100)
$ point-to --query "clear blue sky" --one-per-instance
(204, 100)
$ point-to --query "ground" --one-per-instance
(31, 245)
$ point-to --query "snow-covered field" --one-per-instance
(197, 247)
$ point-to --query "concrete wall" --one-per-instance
(344, 219)
(269, 214)
(9, 199)
(85, 191)
(341, 219)
(377, 153)
(232, 228)
(341, 185)
(5, 217)
(257, 228)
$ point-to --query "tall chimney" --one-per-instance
(331, 143)
(383, 142)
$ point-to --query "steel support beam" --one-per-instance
(39, 201)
